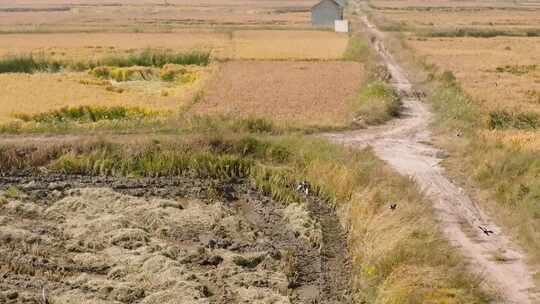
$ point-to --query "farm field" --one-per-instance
(242, 44)
(450, 4)
(164, 255)
(303, 93)
(188, 151)
(54, 91)
(501, 73)
(477, 18)
(50, 16)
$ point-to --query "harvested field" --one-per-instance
(36, 93)
(252, 44)
(486, 19)
(500, 73)
(289, 45)
(32, 16)
(98, 45)
(98, 240)
(450, 4)
(304, 93)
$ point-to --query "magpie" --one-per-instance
(485, 230)
(303, 187)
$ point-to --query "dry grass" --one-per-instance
(304, 93)
(250, 44)
(514, 139)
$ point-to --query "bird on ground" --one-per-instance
(485, 230)
(303, 187)
(393, 207)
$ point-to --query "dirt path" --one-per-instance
(401, 143)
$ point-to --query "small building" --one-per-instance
(326, 12)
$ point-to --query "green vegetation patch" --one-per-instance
(29, 64)
(376, 103)
(511, 177)
(158, 58)
(517, 69)
(455, 110)
(124, 74)
(87, 114)
(358, 49)
(147, 58)
(477, 33)
(179, 73)
(501, 120)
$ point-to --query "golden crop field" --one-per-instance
(42, 92)
(96, 45)
(241, 44)
(89, 30)
(308, 93)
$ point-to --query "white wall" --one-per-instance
(341, 26)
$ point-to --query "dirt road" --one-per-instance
(402, 144)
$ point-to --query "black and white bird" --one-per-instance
(485, 230)
(393, 207)
(303, 187)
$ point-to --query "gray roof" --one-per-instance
(340, 3)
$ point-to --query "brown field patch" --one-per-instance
(304, 93)
(253, 44)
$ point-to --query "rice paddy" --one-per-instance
(54, 91)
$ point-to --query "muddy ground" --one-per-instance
(165, 240)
